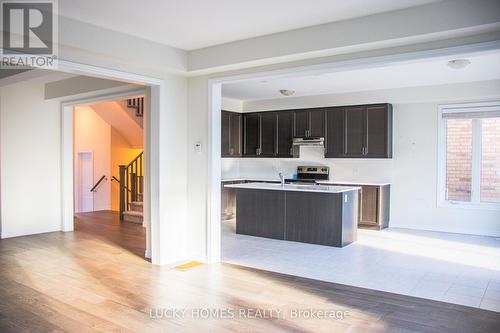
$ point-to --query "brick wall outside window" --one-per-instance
(490, 160)
(459, 159)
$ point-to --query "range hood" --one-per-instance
(309, 141)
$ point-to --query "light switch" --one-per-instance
(197, 147)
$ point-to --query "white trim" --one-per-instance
(67, 152)
(475, 202)
(214, 172)
(154, 89)
(214, 102)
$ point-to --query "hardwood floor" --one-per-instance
(106, 225)
(94, 279)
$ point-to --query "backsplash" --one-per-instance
(380, 170)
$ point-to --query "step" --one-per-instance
(132, 216)
(137, 206)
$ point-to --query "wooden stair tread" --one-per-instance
(133, 213)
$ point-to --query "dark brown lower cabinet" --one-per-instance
(228, 197)
(374, 207)
(261, 213)
(320, 218)
(317, 218)
(228, 200)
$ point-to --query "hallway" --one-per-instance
(106, 226)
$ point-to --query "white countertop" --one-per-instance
(339, 182)
(256, 179)
(326, 182)
(291, 187)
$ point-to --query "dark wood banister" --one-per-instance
(131, 183)
(98, 182)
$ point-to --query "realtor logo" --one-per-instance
(28, 33)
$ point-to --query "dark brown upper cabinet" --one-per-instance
(309, 123)
(378, 131)
(285, 133)
(355, 131)
(259, 134)
(335, 132)
(363, 131)
(251, 134)
(231, 137)
(268, 132)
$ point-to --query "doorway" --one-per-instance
(110, 169)
(84, 175)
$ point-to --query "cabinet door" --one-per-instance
(317, 123)
(377, 131)
(251, 134)
(301, 123)
(369, 205)
(355, 131)
(335, 133)
(267, 134)
(225, 130)
(235, 135)
(260, 213)
(285, 134)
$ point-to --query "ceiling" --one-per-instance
(194, 24)
(424, 73)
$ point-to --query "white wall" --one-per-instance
(413, 168)
(30, 160)
(93, 134)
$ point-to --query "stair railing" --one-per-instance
(131, 183)
(137, 104)
(96, 185)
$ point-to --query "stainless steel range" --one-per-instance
(310, 175)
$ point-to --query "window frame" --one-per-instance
(475, 202)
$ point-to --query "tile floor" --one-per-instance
(460, 269)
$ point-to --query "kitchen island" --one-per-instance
(316, 214)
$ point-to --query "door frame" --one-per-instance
(77, 179)
(154, 90)
(213, 251)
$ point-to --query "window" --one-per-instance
(470, 155)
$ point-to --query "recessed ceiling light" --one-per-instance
(287, 92)
(458, 63)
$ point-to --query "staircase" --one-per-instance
(135, 214)
(131, 191)
(137, 104)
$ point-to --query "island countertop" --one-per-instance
(321, 182)
(292, 187)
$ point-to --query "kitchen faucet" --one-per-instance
(282, 178)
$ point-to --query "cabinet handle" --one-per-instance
(231, 151)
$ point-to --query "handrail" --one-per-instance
(116, 179)
(135, 159)
(98, 182)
